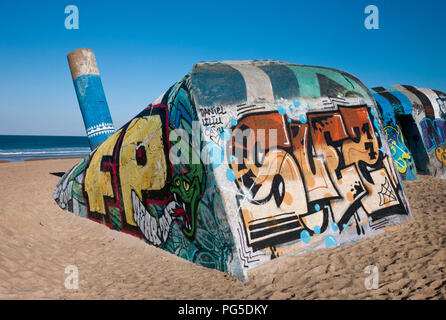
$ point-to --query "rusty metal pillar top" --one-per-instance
(82, 62)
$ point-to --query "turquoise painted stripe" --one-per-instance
(309, 83)
(307, 80)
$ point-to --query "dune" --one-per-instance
(38, 241)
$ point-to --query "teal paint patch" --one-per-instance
(410, 175)
(315, 82)
(281, 110)
(307, 81)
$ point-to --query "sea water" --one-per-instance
(20, 148)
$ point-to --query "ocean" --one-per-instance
(20, 148)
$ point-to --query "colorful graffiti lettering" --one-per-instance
(320, 171)
(131, 165)
(130, 185)
(434, 132)
(400, 152)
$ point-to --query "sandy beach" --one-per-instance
(38, 240)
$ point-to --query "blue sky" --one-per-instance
(143, 47)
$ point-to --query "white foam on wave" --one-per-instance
(19, 154)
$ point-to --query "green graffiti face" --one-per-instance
(186, 190)
(186, 186)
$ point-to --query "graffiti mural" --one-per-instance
(389, 105)
(320, 172)
(400, 152)
(241, 162)
(130, 185)
(420, 115)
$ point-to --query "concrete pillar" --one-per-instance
(90, 94)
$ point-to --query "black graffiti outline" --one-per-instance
(361, 166)
(110, 164)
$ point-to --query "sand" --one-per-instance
(38, 240)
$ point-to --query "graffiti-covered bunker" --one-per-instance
(325, 178)
(414, 120)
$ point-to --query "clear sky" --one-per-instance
(143, 47)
